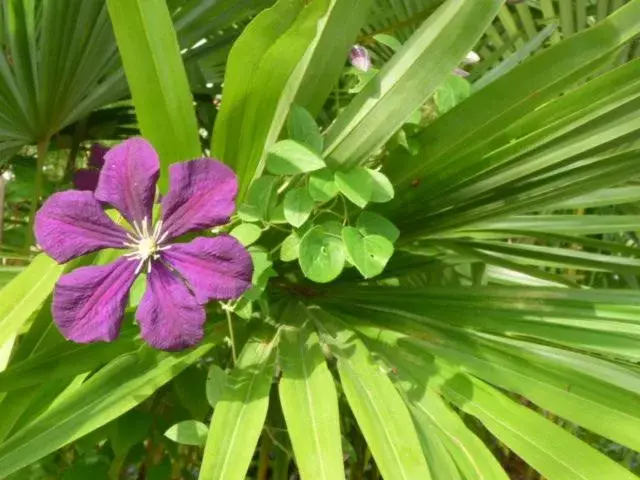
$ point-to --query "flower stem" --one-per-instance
(231, 336)
(43, 147)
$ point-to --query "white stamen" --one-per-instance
(162, 237)
(146, 244)
(139, 267)
(136, 228)
(145, 227)
(156, 231)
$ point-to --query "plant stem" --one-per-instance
(116, 467)
(43, 147)
(1, 206)
(263, 464)
(231, 336)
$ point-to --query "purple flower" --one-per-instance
(359, 58)
(87, 178)
(89, 303)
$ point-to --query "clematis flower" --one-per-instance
(87, 178)
(359, 58)
(89, 303)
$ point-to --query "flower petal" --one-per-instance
(170, 318)
(96, 155)
(128, 179)
(72, 223)
(201, 195)
(359, 58)
(86, 179)
(217, 268)
(89, 303)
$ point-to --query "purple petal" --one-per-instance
(89, 303)
(72, 223)
(359, 58)
(128, 179)
(86, 179)
(217, 268)
(96, 155)
(170, 318)
(201, 195)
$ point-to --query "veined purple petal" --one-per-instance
(86, 179)
(128, 179)
(217, 268)
(359, 58)
(72, 223)
(201, 195)
(170, 318)
(96, 155)
(89, 303)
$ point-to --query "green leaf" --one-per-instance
(356, 185)
(258, 199)
(392, 42)
(407, 80)
(369, 253)
(322, 255)
(472, 128)
(380, 412)
(158, 81)
(370, 223)
(264, 73)
(342, 26)
(216, 382)
(289, 157)
(290, 249)
(298, 206)
(188, 432)
(322, 186)
(310, 406)
(63, 361)
(303, 129)
(382, 190)
(115, 389)
(22, 297)
(547, 447)
(240, 414)
(453, 91)
(246, 233)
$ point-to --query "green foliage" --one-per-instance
(290, 158)
(189, 432)
(445, 279)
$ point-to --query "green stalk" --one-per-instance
(263, 464)
(43, 147)
(1, 206)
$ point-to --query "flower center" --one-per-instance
(146, 244)
(147, 247)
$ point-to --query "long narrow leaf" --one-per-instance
(239, 415)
